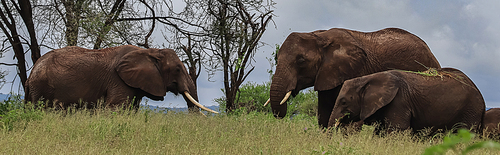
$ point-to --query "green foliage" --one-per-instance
(453, 140)
(14, 110)
(273, 61)
(252, 96)
(306, 102)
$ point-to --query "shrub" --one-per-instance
(306, 102)
(252, 97)
(451, 141)
(13, 110)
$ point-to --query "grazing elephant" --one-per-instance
(491, 121)
(438, 99)
(119, 75)
(325, 59)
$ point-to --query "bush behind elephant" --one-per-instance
(440, 99)
(120, 75)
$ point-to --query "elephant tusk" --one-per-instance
(198, 104)
(267, 102)
(286, 97)
(202, 113)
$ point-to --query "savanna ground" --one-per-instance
(26, 130)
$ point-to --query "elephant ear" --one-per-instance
(340, 63)
(379, 90)
(139, 69)
(342, 59)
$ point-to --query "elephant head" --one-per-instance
(361, 97)
(156, 71)
(317, 59)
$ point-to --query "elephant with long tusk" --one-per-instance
(119, 75)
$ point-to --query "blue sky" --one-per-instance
(463, 34)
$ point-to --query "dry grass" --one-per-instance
(105, 132)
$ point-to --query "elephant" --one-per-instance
(117, 75)
(437, 99)
(491, 121)
(326, 58)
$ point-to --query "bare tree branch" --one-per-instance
(146, 44)
(7, 64)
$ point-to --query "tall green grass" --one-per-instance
(28, 130)
(147, 132)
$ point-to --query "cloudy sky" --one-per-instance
(463, 34)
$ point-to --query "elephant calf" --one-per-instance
(491, 121)
(440, 99)
(119, 75)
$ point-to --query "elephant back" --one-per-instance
(410, 50)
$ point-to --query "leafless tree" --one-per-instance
(236, 29)
(95, 23)
(185, 32)
(15, 16)
(224, 34)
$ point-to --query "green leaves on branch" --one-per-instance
(463, 136)
(274, 60)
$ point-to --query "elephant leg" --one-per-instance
(326, 102)
(115, 103)
(121, 98)
(136, 103)
(396, 123)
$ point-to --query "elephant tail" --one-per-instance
(482, 125)
(26, 92)
(27, 96)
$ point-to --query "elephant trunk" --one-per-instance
(280, 87)
(335, 120)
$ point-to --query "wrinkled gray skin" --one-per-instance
(400, 100)
(119, 75)
(325, 59)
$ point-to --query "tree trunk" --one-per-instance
(111, 19)
(27, 16)
(72, 19)
(9, 28)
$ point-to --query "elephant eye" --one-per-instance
(343, 101)
(301, 60)
(177, 69)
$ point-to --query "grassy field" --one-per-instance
(147, 132)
